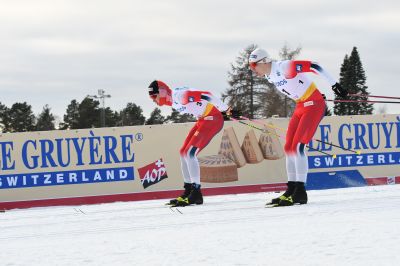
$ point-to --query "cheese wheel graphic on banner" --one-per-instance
(223, 167)
(251, 150)
(270, 145)
(217, 169)
(230, 147)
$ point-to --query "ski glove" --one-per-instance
(339, 90)
(231, 113)
(236, 113)
(225, 116)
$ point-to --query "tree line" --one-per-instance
(85, 114)
(254, 96)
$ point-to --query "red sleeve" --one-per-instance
(193, 96)
(295, 67)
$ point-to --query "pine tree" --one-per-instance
(4, 118)
(111, 117)
(71, 118)
(132, 115)
(45, 120)
(353, 79)
(246, 90)
(176, 117)
(89, 113)
(21, 118)
(253, 95)
(155, 117)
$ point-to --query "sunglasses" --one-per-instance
(253, 65)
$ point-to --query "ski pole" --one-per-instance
(359, 101)
(320, 141)
(373, 96)
(264, 131)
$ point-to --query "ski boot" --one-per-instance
(188, 189)
(299, 196)
(291, 185)
(195, 197)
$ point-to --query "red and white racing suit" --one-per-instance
(207, 109)
(290, 78)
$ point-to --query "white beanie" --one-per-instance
(258, 55)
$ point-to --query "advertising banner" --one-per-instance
(142, 162)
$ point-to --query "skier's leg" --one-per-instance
(307, 126)
(206, 130)
(185, 168)
(183, 150)
(290, 161)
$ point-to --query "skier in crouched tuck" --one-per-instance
(290, 78)
(210, 113)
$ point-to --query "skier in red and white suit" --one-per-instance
(291, 79)
(207, 109)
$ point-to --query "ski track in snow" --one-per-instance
(353, 226)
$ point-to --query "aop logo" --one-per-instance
(153, 173)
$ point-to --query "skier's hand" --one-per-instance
(231, 113)
(226, 116)
(339, 90)
(236, 113)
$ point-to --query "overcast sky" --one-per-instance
(54, 51)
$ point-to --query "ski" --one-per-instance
(277, 205)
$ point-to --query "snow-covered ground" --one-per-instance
(355, 226)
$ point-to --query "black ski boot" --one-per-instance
(291, 185)
(195, 197)
(188, 189)
(300, 194)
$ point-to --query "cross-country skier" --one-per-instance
(290, 78)
(210, 112)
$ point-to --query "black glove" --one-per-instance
(225, 116)
(231, 113)
(236, 114)
(339, 91)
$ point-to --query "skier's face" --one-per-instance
(260, 69)
(161, 101)
(157, 100)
